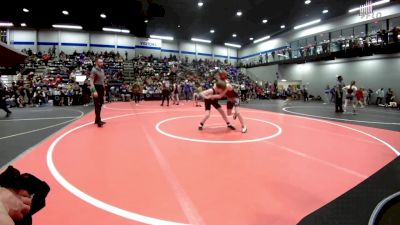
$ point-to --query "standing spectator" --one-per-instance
(380, 94)
(3, 104)
(369, 96)
(187, 89)
(350, 93)
(365, 94)
(339, 95)
(305, 93)
(70, 94)
(333, 94)
(389, 95)
(86, 93)
(243, 92)
(360, 97)
(327, 92)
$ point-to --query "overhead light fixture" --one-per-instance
(146, 21)
(103, 16)
(233, 45)
(63, 26)
(116, 30)
(283, 80)
(23, 24)
(25, 10)
(212, 31)
(262, 39)
(251, 38)
(373, 4)
(179, 26)
(65, 12)
(307, 24)
(162, 37)
(354, 10)
(200, 4)
(325, 11)
(6, 24)
(200, 40)
(283, 26)
(239, 13)
(307, 2)
(264, 21)
(234, 35)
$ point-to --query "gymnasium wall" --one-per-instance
(70, 41)
(380, 71)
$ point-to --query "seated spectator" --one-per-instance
(21, 101)
(38, 97)
(390, 104)
(124, 93)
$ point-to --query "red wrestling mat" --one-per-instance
(150, 165)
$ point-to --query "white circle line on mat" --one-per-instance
(91, 200)
(333, 118)
(277, 133)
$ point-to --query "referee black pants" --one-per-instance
(339, 104)
(165, 96)
(3, 106)
(98, 102)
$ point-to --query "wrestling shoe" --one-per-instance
(100, 124)
(201, 126)
(244, 129)
(230, 126)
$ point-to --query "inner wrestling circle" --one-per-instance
(217, 134)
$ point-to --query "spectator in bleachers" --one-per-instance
(124, 91)
(360, 97)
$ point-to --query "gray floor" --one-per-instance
(28, 127)
(371, 116)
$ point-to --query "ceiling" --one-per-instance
(164, 16)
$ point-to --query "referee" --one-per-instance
(97, 87)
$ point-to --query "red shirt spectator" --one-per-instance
(359, 94)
